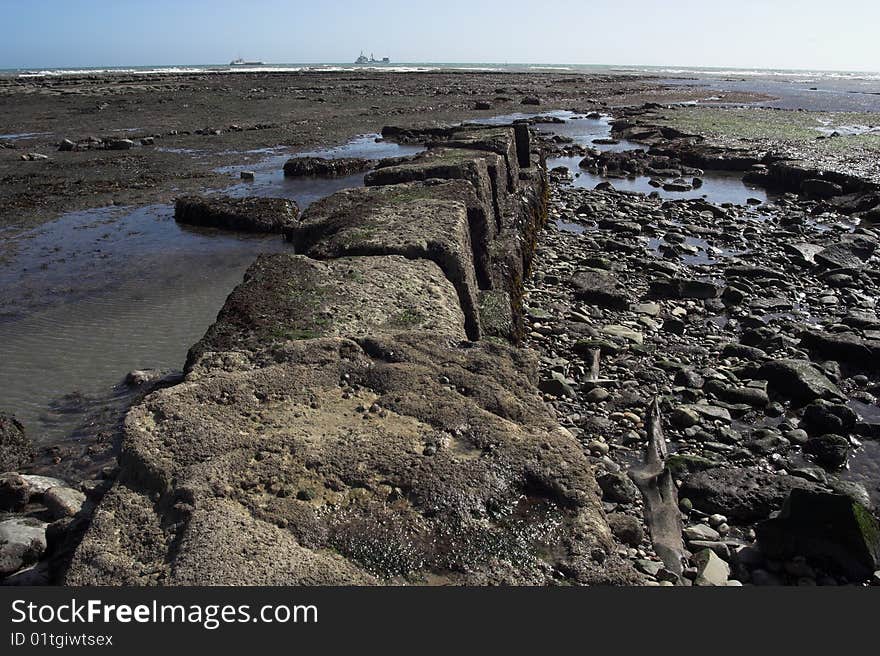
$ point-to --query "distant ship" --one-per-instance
(372, 60)
(242, 62)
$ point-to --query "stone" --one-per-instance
(701, 532)
(22, 542)
(37, 485)
(325, 167)
(63, 501)
(824, 417)
(626, 528)
(830, 529)
(558, 386)
(617, 487)
(742, 494)
(601, 288)
(351, 297)
(711, 570)
(684, 417)
(822, 189)
(120, 144)
(242, 428)
(597, 395)
(630, 335)
(798, 380)
(15, 449)
(248, 175)
(245, 214)
(415, 221)
(14, 492)
(829, 450)
(679, 288)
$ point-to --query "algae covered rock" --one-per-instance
(245, 214)
(828, 528)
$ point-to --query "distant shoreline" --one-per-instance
(419, 67)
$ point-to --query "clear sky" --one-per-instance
(809, 34)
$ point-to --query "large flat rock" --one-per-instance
(483, 169)
(407, 459)
(245, 214)
(288, 297)
(411, 220)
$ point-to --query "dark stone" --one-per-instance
(798, 380)
(829, 450)
(246, 214)
(824, 417)
(831, 529)
(14, 492)
(319, 166)
(15, 449)
(740, 494)
(683, 289)
(617, 487)
(626, 528)
(816, 188)
(602, 288)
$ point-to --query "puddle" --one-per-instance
(567, 226)
(269, 179)
(96, 294)
(24, 135)
(718, 186)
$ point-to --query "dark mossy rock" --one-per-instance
(15, 449)
(245, 214)
(831, 529)
(300, 167)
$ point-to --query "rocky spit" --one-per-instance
(755, 328)
(696, 405)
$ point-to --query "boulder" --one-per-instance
(827, 528)
(855, 351)
(711, 570)
(324, 167)
(798, 380)
(22, 542)
(741, 493)
(680, 288)
(626, 528)
(414, 221)
(601, 288)
(287, 297)
(407, 458)
(829, 450)
(15, 449)
(818, 188)
(63, 501)
(245, 214)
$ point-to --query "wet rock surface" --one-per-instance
(15, 449)
(320, 166)
(244, 214)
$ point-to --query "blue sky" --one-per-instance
(812, 34)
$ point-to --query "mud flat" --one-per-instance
(145, 139)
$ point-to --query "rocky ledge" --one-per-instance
(360, 412)
(244, 214)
